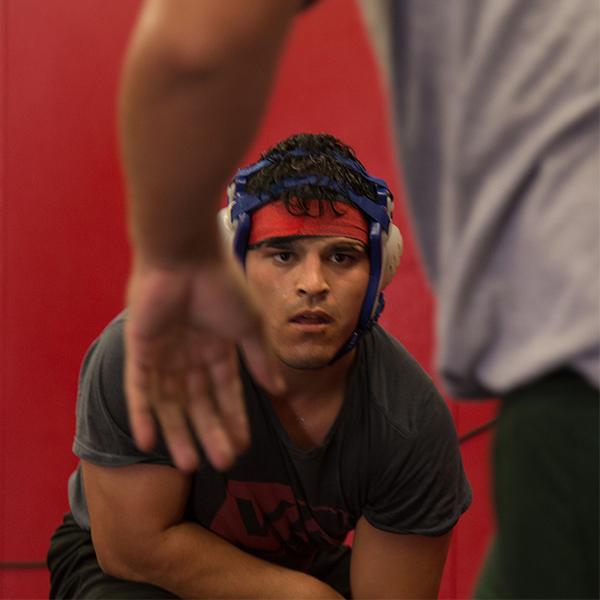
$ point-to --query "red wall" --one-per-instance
(63, 254)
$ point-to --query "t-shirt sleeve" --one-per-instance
(102, 435)
(419, 485)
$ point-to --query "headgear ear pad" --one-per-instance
(393, 247)
(392, 250)
(226, 227)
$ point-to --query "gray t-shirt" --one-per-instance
(392, 455)
(497, 109)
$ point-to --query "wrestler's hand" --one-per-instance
(181, 366)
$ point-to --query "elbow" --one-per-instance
(208, 38)
(186, 56)
(125, 562)
(162, 56)
(113, 564)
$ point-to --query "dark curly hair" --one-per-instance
(321, 159)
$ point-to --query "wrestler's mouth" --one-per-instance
(311, 317)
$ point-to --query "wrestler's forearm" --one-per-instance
(193, 562)
(190, 102)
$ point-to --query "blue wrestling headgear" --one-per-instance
(385, 240)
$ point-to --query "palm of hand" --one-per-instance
(181, 365)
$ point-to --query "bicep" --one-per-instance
(130, 508)
(392, 565)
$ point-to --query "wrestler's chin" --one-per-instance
(307, 358)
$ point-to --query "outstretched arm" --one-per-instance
(195, 82)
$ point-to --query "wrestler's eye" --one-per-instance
(346, 255)
(341, 258)
(283, 257)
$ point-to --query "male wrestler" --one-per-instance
(360, 440)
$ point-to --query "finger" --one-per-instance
(169, 407)
(178, 438)
(206, 421)
(228, 394)
(262, 363)
(137, 392)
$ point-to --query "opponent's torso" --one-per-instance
(497, 108)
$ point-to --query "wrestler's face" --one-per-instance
(312, 289)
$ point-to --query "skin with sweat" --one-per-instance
(312, 289)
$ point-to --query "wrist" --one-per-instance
(189, 257)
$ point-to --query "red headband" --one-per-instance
(274, 220)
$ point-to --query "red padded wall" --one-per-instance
(63, 254)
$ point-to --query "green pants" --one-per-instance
(546, 470)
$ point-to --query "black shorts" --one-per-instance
(75, 572)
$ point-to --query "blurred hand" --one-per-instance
(181, 366)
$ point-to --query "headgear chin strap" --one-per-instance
(385, 240)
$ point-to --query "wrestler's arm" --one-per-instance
(195, 82)
(138, 531)
(196, 79)
(391, 565)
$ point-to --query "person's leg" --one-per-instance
(75, 573)
(546, 472)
